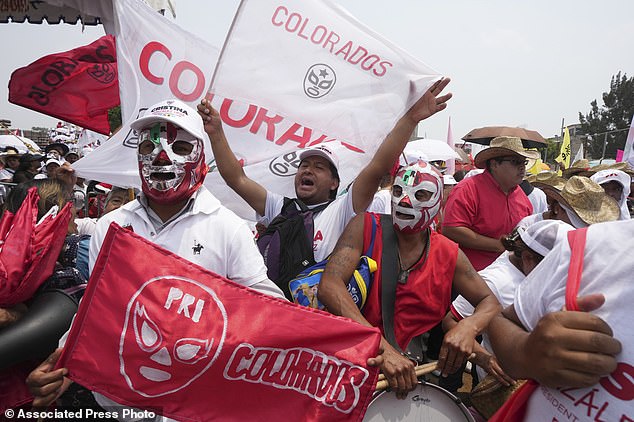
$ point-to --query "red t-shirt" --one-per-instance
(479, 204)
(422, 302)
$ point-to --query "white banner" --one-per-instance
(313, 63)
(276, 90)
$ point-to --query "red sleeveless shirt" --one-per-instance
(423, 301)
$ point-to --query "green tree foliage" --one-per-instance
(615, 113)
(114, 118)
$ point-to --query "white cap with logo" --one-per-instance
(321, 151)
(173, 111)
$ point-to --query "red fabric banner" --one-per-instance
(157, 332)
(78, 86)
(29, 251)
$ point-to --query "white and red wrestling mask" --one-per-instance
(170, 152)
(416, 197)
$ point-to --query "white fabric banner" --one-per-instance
(276, 90)
(312, 62)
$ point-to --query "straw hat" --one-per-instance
(587, 199)
(503, 146)
(615, 166)
(576, 167)
(9, 153)
(547, 179)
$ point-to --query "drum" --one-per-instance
(427, 403)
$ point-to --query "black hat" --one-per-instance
(31, 157)
(64, 148)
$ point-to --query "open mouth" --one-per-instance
(161, 177)
(307, 182)
(404, 216)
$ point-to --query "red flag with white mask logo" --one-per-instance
(78, 86)
(157, 332)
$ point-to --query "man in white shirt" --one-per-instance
(175, 212)
(317, 179)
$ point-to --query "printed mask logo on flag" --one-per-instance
(173, 332)
(319, 80)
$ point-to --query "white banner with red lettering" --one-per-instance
(291, 75)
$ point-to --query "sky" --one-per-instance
(512, 63)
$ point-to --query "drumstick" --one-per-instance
(421, 370)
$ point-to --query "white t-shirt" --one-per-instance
(328, 224)
(608, 270)
(502, 277)
(538, 200)
(382, 202)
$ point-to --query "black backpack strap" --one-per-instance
(389, 274)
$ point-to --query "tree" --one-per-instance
(615, 113)
(114, 118)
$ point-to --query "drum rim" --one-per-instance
(455, 399)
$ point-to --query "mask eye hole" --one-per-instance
(146, 147)
(182, 148)
(191, 350)
(423, 195)
(397, 191)
(147, 334)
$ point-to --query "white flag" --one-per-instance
(157, 60)
(628, 150)
(306, 72)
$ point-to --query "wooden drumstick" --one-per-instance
(421, 370)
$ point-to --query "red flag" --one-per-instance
(78, 86)
(156, 332)
(29, 251)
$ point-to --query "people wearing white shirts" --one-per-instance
(604, 272)
(526, 246)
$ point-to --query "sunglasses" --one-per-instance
(515, 161)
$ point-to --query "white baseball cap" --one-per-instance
(543, 235)
(173, 111)
(321, 151)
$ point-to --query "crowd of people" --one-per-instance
(488, 255)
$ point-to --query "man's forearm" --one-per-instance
(467, 238)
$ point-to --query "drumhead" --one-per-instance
(426, 403)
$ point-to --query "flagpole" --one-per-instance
(224, 45)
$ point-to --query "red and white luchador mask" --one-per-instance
(174, 330)
(416, 197)
(171, 162)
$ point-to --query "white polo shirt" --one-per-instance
(206, 234)
(328, 224)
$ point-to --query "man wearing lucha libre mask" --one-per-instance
(429, 266)
(176, 212)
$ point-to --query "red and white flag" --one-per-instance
(78, 86)
(191, 345)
